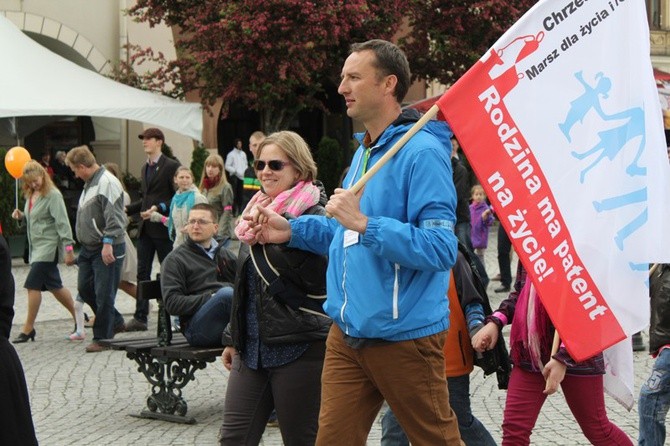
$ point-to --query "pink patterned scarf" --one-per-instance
(528, 337)
(294, 201)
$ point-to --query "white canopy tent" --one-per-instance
(37, 82)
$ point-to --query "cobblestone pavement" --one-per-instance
(82, 398)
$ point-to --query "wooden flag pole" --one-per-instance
(556, 343)
(430, 114)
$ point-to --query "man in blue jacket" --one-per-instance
(390, 250)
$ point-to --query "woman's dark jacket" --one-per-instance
(659, 291)
(278, 323)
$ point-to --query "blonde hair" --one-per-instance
(257, 135)
(297, 151)
(476, 188)
(31, 171)
(80, 155)
(213, 160)
(115, 170)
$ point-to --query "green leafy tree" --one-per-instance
(448, 36)
(200, 154)
(271, 56)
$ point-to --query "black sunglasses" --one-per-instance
(275, 165)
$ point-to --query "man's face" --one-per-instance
(152, 146)
(80, 171)
(253, 145)
(201, 226)
(363, 89)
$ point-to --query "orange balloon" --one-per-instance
(15, 159)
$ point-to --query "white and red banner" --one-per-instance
(562, 124)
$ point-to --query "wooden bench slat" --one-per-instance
(187, 352)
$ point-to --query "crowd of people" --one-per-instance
(347, 301)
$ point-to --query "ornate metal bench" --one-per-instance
(168, 363)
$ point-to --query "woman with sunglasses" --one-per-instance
(275, 349)
(219, 193)
(49, 239)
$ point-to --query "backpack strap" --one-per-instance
(284, 290)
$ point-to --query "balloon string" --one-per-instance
(16, 193)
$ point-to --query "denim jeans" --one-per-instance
(146, 248)
(207, 324)
(473, 432)
(654, 402)
(97, 284)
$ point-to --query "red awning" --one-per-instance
(661, 75)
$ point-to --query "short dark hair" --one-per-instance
(206, 207)
(389, 59)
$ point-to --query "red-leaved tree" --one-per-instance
(272, 56)
(448, 36)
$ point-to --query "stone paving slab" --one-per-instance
(82, 398)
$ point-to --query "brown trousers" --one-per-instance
(409, 375)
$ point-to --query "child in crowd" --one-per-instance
(187, 195)
(481, 219)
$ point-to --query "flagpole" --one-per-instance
(430, 114)
(555, 344)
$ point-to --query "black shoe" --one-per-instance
(502, 289)
(22, 337)
(135, 325)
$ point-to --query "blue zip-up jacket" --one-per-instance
(392, 284)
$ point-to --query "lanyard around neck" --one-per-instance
(366, 158)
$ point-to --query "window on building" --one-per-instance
(654, 13)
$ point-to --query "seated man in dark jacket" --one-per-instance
(190, 283)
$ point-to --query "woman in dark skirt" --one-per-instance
(16, 423)
(49, 235)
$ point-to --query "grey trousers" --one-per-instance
(293, 390)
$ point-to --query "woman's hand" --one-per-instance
(553, 372)
(269, 227)
(17, 215)
(486, 338)
(227, 357)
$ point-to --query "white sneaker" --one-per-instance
(77, 336)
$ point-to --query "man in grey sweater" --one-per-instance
(190, 284)
(100, 228)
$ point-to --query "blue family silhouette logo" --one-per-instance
(627, 134)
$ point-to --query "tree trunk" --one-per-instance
(276, 119)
